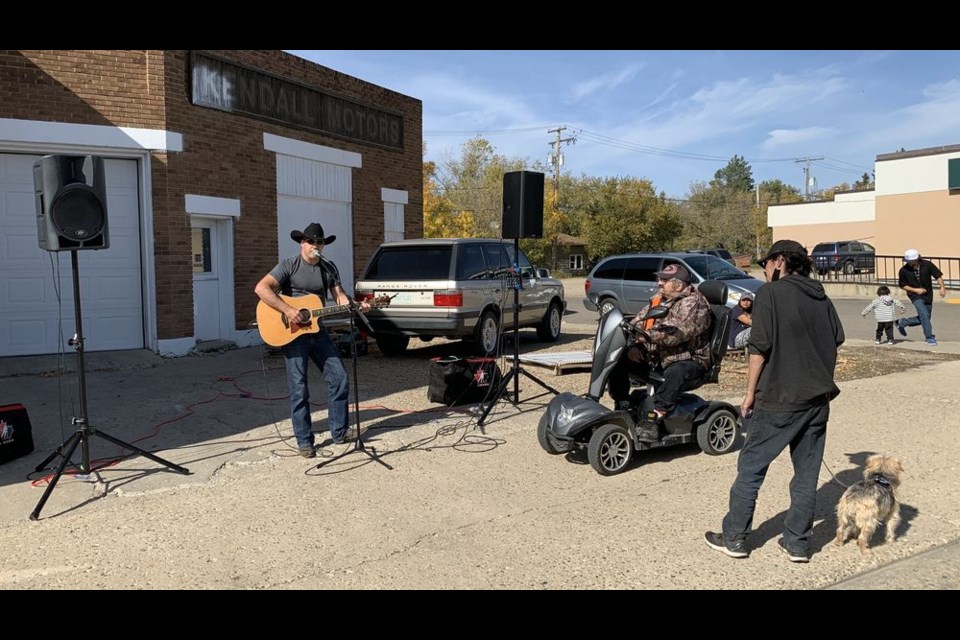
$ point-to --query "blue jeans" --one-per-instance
(924, 313)
(805, 432)
(319, 348)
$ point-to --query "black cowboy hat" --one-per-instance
(313, 232)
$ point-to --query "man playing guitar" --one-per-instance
(308, 272)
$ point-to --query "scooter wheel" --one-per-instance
(718, 433)
(610, 449)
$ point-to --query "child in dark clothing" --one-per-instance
(883, 311)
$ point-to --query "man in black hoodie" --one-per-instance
(793, 353)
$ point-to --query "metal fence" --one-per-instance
(887, 271)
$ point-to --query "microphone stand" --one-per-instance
(358, 441)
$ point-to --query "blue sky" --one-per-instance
(675, 117)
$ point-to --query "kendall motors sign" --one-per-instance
(227, 86)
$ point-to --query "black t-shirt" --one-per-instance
(923, 276)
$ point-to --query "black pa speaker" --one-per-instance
(522, 204)
(71, 197)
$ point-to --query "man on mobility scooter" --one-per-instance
(611, 436)
(679, 341)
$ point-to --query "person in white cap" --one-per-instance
(916, 278)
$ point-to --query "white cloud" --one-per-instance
(785, 137)
(609, 80)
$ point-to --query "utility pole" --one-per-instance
(555, 158)
(806, 175)
(756, 223)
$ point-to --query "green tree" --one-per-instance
(778, 192)
(619, 215)
(737, 175)
(865, 182)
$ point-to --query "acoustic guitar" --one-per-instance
(277, 331)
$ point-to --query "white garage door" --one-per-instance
(36, 286)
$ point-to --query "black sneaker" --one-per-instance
(736, 549)
(795, 556)
(308, 452)
(900, 329)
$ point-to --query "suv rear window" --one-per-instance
(411, 263)
(612, 269)
(824, 247)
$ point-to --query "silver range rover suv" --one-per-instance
(457, 288)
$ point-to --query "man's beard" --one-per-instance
(314, 253)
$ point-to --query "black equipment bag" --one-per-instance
(455, 380)
(16, 437)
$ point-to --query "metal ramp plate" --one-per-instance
(560, 361)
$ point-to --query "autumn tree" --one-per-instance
(441, 219)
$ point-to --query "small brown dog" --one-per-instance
(871, 502)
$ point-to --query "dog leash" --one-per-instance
(832, 475)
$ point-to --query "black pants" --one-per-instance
(674, 376)
(885, 327)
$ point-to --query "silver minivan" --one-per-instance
(629, 281)
(457, 288)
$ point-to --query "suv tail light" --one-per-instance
(586, 286)
(453, 298)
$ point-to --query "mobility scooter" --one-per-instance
(611, 436)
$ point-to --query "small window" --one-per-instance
(641, 270)
(202, 251)
(497, 259)
(576, 262)
(472, 266)
(953, 174)
(611, 269)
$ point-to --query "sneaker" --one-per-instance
(890, 343)
(308, 452)
(932, 342)
(901, 330)
(878, 342)
(795, 556)
(736, 549)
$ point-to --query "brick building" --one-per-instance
(211, 159)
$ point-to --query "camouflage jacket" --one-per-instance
(683, 334)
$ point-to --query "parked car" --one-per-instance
(848, 256)
(628, 281)
(457, 288)
(723, 254)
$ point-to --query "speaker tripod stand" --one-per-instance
(84, 431)
(358, 441)
(516, 370)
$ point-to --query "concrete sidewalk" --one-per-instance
(463, 507)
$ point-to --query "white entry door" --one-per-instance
(212, 278)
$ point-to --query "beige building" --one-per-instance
(916, 204)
